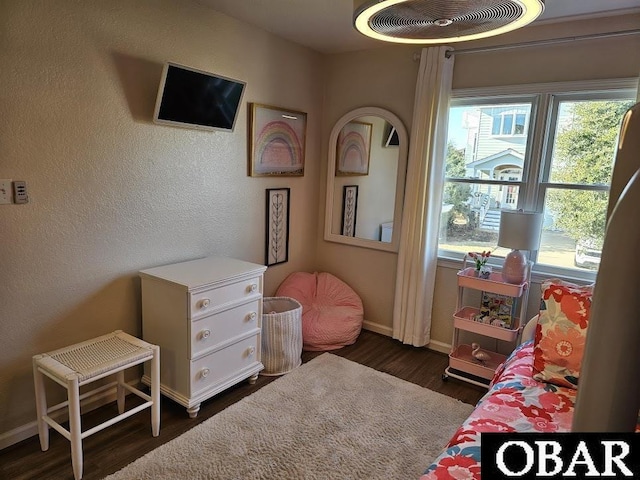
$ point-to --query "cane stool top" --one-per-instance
(94, 357)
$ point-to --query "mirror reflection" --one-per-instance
(365, 179)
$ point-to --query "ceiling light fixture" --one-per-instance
(442, 21)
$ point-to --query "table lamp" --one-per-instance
(519, 230)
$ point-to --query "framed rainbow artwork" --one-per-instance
(354, 147)
(277, 141)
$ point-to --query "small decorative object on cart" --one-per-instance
(485, 272)
(480, 259)
(497, 310)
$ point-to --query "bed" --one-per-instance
(515, 402)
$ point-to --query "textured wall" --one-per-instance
(111, 192)
(386, 78)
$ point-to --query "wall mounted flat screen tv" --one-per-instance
(195, 99)
(391, 135)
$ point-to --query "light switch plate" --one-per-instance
(20, 191)
(6, 194)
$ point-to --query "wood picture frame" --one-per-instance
(349, 210)
(277, 226)
(354, 149)
(277, 138)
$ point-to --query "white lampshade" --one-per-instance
(519, 230)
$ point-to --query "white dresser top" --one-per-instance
(203, 271)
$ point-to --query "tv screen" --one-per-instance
(391, 136)
(195, 99)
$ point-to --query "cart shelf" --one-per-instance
(493, 284)
(462, 319)
(461, 359)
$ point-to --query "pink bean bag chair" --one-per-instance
(332, 312)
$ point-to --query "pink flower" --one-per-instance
(462, 436)
(555, 402)
(533, 411)
(489, 425)
(564, 348)
(480, 258)
(457, 467)
(543, 424)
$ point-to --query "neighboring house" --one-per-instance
(496, 143)
(504, 165)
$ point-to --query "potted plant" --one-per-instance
(482, 270)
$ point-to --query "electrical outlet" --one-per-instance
(6, 195)
(20, 191)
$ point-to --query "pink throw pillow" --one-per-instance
(561, 332)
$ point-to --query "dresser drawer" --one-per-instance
(224, 326)
(223, 364)
(209, 301)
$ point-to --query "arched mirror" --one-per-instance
(365, 179)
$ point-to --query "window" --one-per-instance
(511, 122)
(550, 151)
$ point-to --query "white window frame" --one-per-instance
(545, 98)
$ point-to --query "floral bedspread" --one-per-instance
(514, 402)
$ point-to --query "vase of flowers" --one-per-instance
(482, 270)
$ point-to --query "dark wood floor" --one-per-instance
(113, 448)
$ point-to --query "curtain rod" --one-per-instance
(552, 41)
(536, 43)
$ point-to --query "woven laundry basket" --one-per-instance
(281, 335)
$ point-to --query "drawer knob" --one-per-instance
(253, 287)
(205, 302)
(205, 334)
(204, 373)
(252, 350)
(252, 316)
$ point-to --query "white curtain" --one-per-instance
(418, 252)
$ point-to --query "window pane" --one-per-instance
(473, 150)
(573, 229)
(521, 119)
(495, 129)
(471, 215)
(507, 124)
(585, 140)
(471, 212)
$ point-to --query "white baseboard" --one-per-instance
(381, 329)
(30, 429)
(388, 331)
(441, 347)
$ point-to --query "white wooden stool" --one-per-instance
(86, 362)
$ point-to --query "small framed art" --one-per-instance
(349, 210)
(277, 141)
(277, 228)
(354, 147)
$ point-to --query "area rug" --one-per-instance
(328, 419)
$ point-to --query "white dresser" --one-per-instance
(206, 317)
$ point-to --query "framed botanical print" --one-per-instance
(277, 228)
(349, 210)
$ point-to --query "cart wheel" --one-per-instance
(445, 377)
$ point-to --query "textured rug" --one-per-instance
(328, 419)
